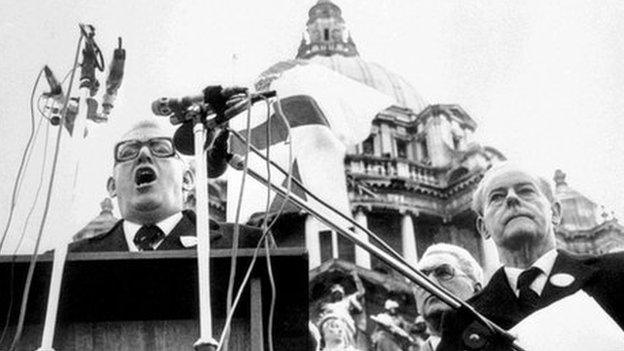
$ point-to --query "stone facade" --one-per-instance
(412, 179)
(585, 228)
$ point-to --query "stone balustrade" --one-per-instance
(392, 168)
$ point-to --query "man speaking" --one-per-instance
(150, 180)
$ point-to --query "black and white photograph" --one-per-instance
(318, 175)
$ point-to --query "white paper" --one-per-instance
(576, 322)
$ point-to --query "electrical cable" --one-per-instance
(33, 259)
(230, 315)
(236, 232)
(491, 326)
(42, 112)
(273, 292)
(494, 328)
(280, 113)
(265, 229)
(28, 156)
(19, 187)
(23, 234)
(325, 204)
(37, 192)
(21, 169)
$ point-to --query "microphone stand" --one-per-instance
(196, 114)
(477, 337)
(206, 342)
(88, 84)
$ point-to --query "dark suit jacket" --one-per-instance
(601, 277)
(220, 237)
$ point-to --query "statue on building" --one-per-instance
(337, 333)
(391, 332)
(341, 318)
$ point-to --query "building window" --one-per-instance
(325, 237)
(326, 34)
(368, 147)
(423, 148)
(345, 248)
(401, 146)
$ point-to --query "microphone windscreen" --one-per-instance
(161, 107)
(218, 156)
(183, 139)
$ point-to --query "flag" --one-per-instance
(323, 112)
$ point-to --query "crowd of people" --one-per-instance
(514, 207)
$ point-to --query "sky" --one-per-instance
(543, 79)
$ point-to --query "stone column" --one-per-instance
(386, 140)
(312, 241)
(491, 262)
(334, 246)
(362, 257)
(408, 239)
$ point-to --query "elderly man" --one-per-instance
(149, 181)
(453, 268)
(519, 212)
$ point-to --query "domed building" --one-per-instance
(412, 179)
(584, 227)
(410, 182)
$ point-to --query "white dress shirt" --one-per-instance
(166, 225)
(545, 265)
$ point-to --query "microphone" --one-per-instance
(165, 106)
(217, 156)
(225, 102)
(115, 77)
(55, 87)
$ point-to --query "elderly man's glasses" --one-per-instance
(129, 149)
(443, 272)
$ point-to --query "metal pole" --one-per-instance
(60, 252)
(406, 270)
(206, 342)
(401, 267)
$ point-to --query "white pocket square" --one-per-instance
(188, 241)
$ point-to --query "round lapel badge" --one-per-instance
(561, 280)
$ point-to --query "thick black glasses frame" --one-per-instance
(150, 144)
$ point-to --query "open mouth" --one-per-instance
(144, 175)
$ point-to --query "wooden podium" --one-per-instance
(149, 300)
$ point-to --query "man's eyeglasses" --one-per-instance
(129, 149)
(443, 272)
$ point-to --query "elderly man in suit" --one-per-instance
(453, 268)
(519, 212)
(150, 180)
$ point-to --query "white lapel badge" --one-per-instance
(561, 280)
(188, 241)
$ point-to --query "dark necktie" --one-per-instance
(527, 296)
(147, 236)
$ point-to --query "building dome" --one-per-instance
(328, 42)
(578, 212)
(354, 67)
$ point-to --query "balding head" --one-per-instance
(149, 178)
